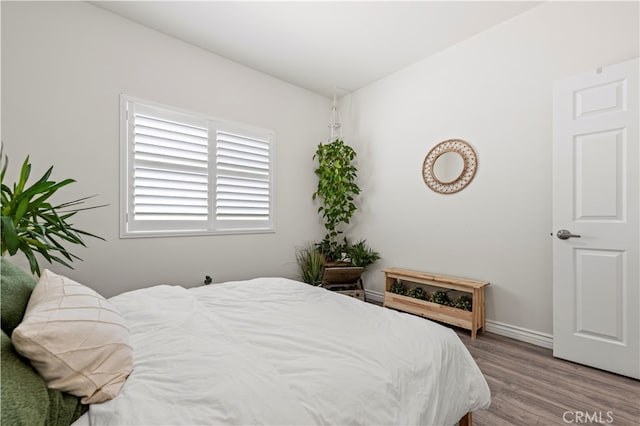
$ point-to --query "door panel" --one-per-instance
(596, 192)
(593, 268)
(599, 175)
(600, 99)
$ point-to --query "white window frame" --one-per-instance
(215, 224)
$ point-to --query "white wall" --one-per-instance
(64, 65)
(494, 91)
(63, 68)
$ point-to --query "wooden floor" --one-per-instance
(530, 387)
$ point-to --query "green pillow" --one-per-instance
(16, 290)
(25, 397)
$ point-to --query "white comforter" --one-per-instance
(276, 351)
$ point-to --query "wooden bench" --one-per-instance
(471, 320)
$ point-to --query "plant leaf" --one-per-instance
(20, 210)
(25, 171)
(30, 224)
(10, 240)
(4, 166)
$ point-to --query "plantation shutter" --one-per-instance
(243, 178)
(170, 170)
(187, 174)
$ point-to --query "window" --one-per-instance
(186, 174)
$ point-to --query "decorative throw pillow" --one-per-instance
(16, 289)
(75, 338)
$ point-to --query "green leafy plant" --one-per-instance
(418, 293)
(311, 264)
(331, 249)
(463, 302)
(441, 297)
(337, 189)
(360, 254)
(398, 288)
(31, 224)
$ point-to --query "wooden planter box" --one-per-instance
(442, 313)
(344, 280)
(342, 274)
(471, 320)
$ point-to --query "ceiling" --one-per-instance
(322, 46)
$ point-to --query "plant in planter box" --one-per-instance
(398, 287)
(418, 293)
(31, 224)
(463, 302)
(441, 297)
(359, 254)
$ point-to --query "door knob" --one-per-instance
(564, 234)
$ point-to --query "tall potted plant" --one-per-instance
(31, 224)
(336, 191)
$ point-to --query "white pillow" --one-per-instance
(75, 338)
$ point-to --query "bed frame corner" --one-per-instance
(466, 420)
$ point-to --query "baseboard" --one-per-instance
(518, 333)
(375, 296)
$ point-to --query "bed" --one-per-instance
(277, 351)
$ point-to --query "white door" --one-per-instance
(596, 188)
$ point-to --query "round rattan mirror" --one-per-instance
(450, 166)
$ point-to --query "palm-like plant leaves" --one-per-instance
(31, 224)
